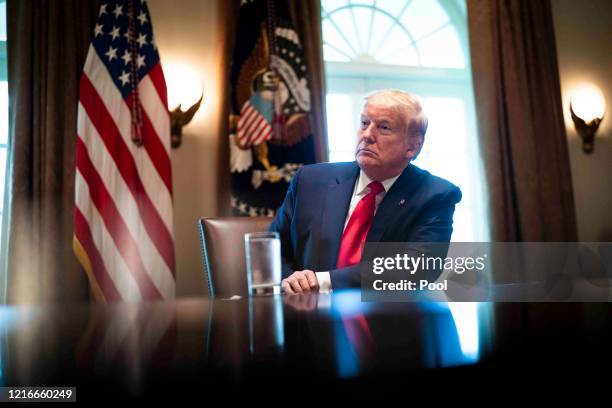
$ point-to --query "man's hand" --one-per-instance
(301, 282)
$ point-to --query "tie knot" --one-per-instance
(376, 187)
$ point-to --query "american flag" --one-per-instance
(254, 124)
(123, 198)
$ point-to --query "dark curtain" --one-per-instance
(520, 120)
(47, 46)
(306, 15)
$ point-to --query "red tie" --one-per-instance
(354, 236)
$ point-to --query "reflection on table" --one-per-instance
(150, 350)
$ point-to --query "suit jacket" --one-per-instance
(418, 207)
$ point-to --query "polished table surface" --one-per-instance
(334, 344)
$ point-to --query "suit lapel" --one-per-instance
(393, 202)
(338, 199)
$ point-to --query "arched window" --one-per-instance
(420, 46)
(408, 33)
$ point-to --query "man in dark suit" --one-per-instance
(332, 209)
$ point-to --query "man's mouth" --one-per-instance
(366, 151)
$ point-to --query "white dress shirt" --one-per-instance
(361, 190)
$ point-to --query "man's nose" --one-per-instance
(367, 134)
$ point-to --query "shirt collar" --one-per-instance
(364, 180)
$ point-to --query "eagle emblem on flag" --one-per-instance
(270, 132)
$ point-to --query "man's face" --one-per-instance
(384, 147)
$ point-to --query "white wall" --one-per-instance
(584, 47)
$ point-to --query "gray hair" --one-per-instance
(407, 104)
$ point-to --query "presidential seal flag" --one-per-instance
(270, 132)
(123, 187)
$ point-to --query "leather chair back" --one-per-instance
(224, 252)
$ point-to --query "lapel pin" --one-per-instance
(402, 201)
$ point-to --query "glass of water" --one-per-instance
(263, 262)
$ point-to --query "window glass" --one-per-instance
(414, 33)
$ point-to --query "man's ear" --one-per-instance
(415, 144)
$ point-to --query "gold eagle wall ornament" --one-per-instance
(180, 118)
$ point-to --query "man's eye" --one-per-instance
(364, 124)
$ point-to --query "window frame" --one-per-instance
(456, 11)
